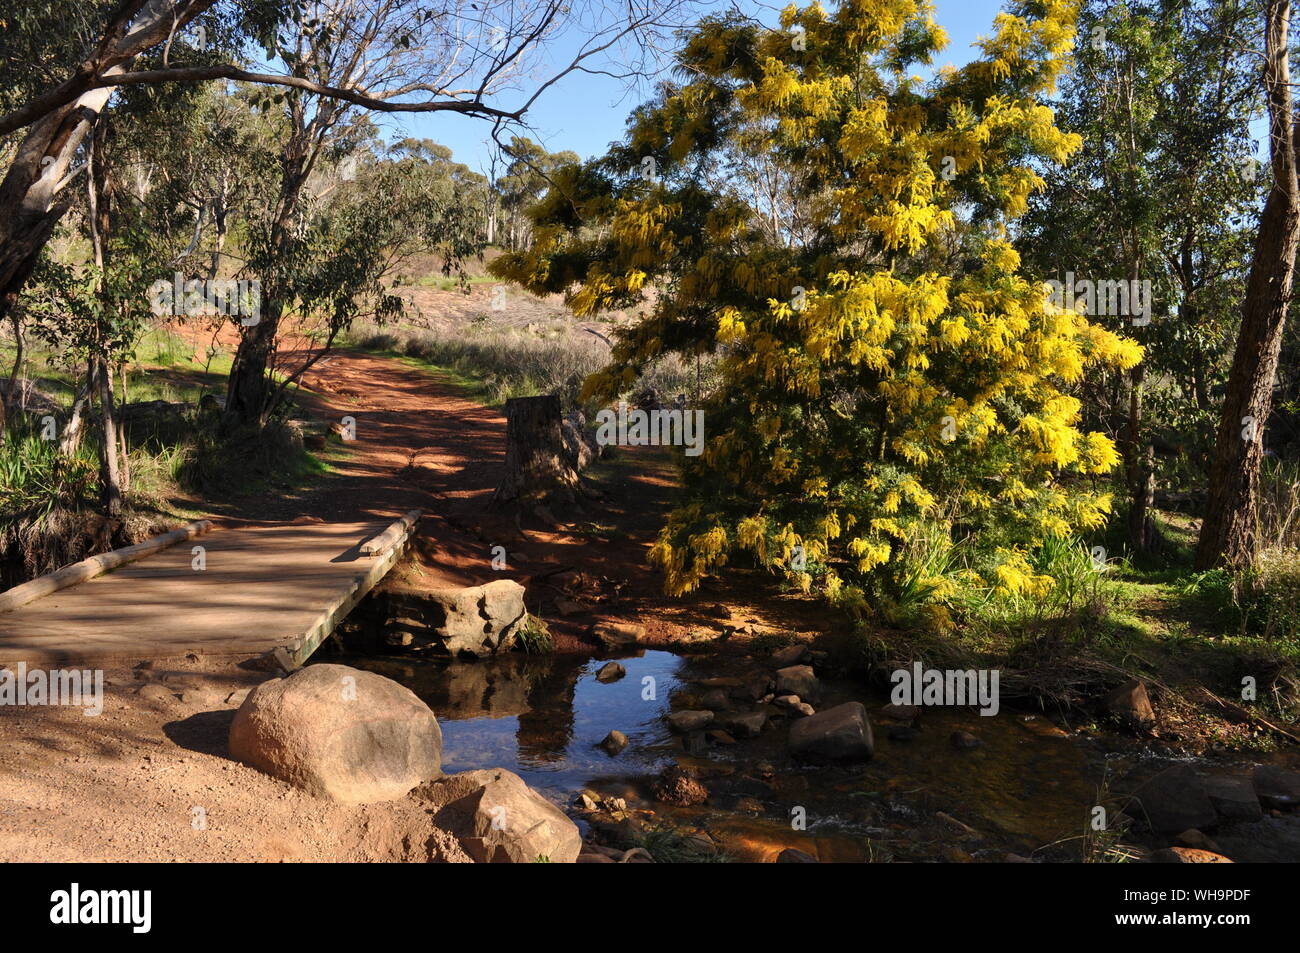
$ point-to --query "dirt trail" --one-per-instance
(421, 443)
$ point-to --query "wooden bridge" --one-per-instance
(251, 590)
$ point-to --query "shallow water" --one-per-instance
(1027, 785)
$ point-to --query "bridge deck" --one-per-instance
(262, 588)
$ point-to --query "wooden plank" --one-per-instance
(399, 529)
(261, 587)
(88, 569)
(328, 620)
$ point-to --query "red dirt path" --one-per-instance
(421, 443)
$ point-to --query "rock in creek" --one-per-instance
(684, 721)
(1277, 787)
(676, 786)
(1174, 800)
(746, 724)
(798, 680)
(475, 621)
(610, 672)
(842, 733)
(792, 855)
(790, 655)
(1131, 705)
(1187, 855)
(617, 635)
(614, 742)
(1233, 798)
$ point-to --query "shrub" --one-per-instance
(246, 460)
(46, 504)
(865, 391)
(1263, 600)
(1275, 594)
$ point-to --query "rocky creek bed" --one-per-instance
(690, 757)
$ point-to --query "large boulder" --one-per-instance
(1172, 801)
(340, 733)
(499, 819)
(481, 620)
(1277, 787)
(1233, 798)
(798, 680)
(1131, 705)
(475, 621)
(842, 733)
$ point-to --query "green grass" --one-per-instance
(1180, 630)
(533, 637)
(246, 462)
(36, 479)
(442, 283)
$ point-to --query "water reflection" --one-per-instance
(1027, 784)
(543, 717)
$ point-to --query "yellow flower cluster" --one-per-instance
(866, 393)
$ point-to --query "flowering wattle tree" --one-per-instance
(894, 406)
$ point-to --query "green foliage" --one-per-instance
(1263, 600)
(533, 636)
(1164, 95)
(249, 459)
(526, 180)
(36, 478)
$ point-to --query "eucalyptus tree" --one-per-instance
(1228, 532)
(63, 62)
(526, 179)
(1159, 199)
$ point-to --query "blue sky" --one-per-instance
(585, 113)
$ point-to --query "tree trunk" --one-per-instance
(109, 476)
(1139, 458)
(99, 218)
(1228, 531)
(247, 389)
(70, 439)
(124, 468)
(537, 467)
(29, 209)
(53, 134)
(13, 375)
(249, 395)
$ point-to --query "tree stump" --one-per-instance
(537, 465)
